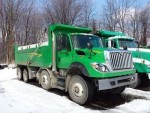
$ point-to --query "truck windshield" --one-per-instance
(127, 42)
(80, 41)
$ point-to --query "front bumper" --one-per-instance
(104, 84)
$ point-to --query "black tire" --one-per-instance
(45, 80)
(137, 83)
(19, 73)
(80, 90)
(25, 75)
(117, 91)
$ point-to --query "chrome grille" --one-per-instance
(121, 60)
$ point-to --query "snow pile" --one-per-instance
(136, 92)
(136, 106)
(6, 74)
(19, 97)
(11, 66)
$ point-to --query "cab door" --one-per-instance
(64, 53)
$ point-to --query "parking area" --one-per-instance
(19, 97)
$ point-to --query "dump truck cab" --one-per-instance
(74, 60)
(141, 57)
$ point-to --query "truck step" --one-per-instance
(59, 87)
(61, 77)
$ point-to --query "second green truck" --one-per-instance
(74, 60)
(141, 56)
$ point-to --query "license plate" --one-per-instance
(149, 75)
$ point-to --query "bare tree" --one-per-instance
(87, 13)
(62, 11)
(27, 19)
(145, 24)
(110, 15)
(124, 7)
(76, 12)
(30, 26)
(19, 23)
(122, 15)
(134, 24)
(116, 14)
(9, 15)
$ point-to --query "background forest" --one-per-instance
(23, 22)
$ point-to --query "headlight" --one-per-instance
(100, 67)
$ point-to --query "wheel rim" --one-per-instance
(19, 74)
(25, 76)
(44, 79)
(78, 90)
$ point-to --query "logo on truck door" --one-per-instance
(35, 54)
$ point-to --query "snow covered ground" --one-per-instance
(19, 97)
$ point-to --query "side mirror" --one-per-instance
(125, 47)
(89, 45)
(137, 44)
(64, 52)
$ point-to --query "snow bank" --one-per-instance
(136, 106)
(7, 74)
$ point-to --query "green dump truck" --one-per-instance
(141, 56)
(74, 60)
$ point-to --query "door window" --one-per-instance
(63, 43)
(113, 44)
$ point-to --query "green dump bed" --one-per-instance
(34, 55)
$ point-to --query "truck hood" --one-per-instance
(98, 54)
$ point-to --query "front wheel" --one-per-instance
(80, 90)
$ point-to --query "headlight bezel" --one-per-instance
(99, 67)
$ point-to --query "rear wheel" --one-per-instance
(80, 90)
(45, 80)
(25, 75)
(19, 73)
(117, 90)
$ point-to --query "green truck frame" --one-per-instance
(74, 60)
(141, 56)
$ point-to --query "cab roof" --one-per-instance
(121, 37)
(106, 33)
